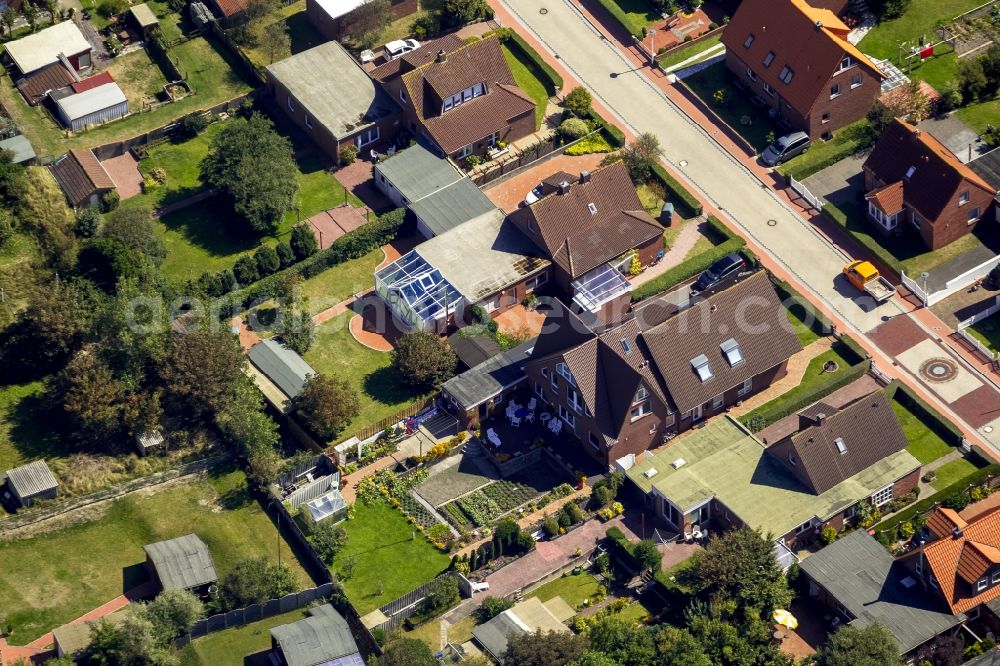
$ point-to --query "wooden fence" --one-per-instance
(405, 413)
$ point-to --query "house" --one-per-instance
(795, 59)
(624, 389)
(22, 152)
(82, 177)
(184, 563)
(484, 261)
(860, 583)
(472, 394)
(721, 476)
(322, 638)
(332, 18)
(462, 97)
(912, 180)
(590, 227)
(73, 639)
(279, 372)
(59, 43)
(93, 106)
(31, 482)
(526, 617)
(988, 168)
(327, 94)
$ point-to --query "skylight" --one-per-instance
(910, 172)
(840, 445)
(592, 207)
(731, 350)
(626, 346)
(700, 365)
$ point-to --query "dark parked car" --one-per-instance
(723, 269)
(785, 148)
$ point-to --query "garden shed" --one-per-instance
(31, 482)
(279, 372)
(183, 563)
(73, 639)
(151, 441)
(322, 638)
(143, 18)
(527, 617)
(82, 177)
(24, 152)
(95, 106)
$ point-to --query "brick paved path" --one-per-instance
(796, 371)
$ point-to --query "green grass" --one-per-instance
(338, 282)
(55, 577)
(24, 431)
(370, 372)
(950, 472)
(211, 71)
(987, 331)
(925, 444)
(430, 632)
(301, 34)
(797, 317)
(920, 20)
(318, 191)
(682, 54)
(813, 376)
(386, 555)
(633, 15)
(821, 154)
(979, 115)
(705, 83)
(231, 645)
(573, 589)
(527, 78)
(139, 78)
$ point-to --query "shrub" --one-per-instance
(110, 201)
(254, 581)
(828, 535)
(303, 242)
(245, 270)
(109, 8)
(690, 203)
(285, 255)
(573, 510)
(193, 124)
(573, 128)
(267, 260)
(424, 360)
(578, 101)
(491, 607)
(687, 38)
(721, 96)
(907, 530)
(551, 527)
(87, 221)
(326, 405)
(590, 145)
(349, 155)
(713, 25)
(328, 538)
(957, 501)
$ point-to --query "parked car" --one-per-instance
(400, 47)
(535, 194)
(785, 148)
(864, 276)
(723, 269)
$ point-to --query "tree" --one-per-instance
(246, 424)
(30, 13)
(648, 556)
(326, 405)
(423, 360)
(88, 219)
(368, 21)
(43, 210)
(9, 18)
(736, 640)
(548, 649)
(285, 254)
(274, 41)
(194, 124)
(873, 645)
(12, 176)
(133, 228)
(622, 640)
(267, 260)
(456, 13)
(594, 659)
(245, 270)
(105, 261)
(254, 167)
(329, 539)
(876, 120)
(91, 398)
(303, 242)
(678, 647)
(173, 613)
(407, 652)
(491, 607)
(254, 581)
(300, 330)
(442, 594)
(970, 77)
(578, 101)
(641, 155)
(200, 370)
(739, 565)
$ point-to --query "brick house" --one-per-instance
(796, 59)
(332, 18)
(590, 226)
(912, 178)
(462, 97)
(625, 389)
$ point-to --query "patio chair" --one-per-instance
(530, 417)
(516, 422)
(490, 434)
(704, 536)
(688, 537)
(532, 404)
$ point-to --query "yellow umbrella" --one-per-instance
(783, 617)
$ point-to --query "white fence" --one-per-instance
(988, 353)
(804, 192)
(953, 285)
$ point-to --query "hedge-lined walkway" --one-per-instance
(797, 366)
(682, 245)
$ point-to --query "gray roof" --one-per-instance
(20, 146)
(281, 365)
(988, 167)
(447, 208)
(333, 88)
(91, 101)
(43, 47)
(524, 617)
(184, 562)
(860, 574)
(477, 385)
(495, 634)
(991, 658)
(31, 479)
(418, 172)
(144, 16)
(318, 639)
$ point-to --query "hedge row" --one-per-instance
(691, 267)
(690, 202)
(931, 417)
(550, 78)
(819, 323)
(611, 132)
(928, 503)
(867, 240)
(637, 30)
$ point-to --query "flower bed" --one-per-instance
(490, 503)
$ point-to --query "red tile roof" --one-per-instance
(959, 559)
(92, 82)
(889, 198)
(944, 521)
(232, 7)
(80, 175)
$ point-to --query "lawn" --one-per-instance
(651, 196)
(24, 432)
(212, 72)
(338, 282)
(573, 589)
(369, 372)
(813, 376)
(797, 317)
(952, 472)
(636, 14)
(430, 632)
(139, 78)
(318, 191)
(821, 154)
(231, 645)
(978, 116)
(987, 331)
(87, 564)
(526, 77)
(918, 23)
(302, 35)
(390, 556)
(925, 444)
(737, 109)
(682, 54)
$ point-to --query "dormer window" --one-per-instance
(841, 446)
(749, 41)
(786, 74)
(460, 98)
(845, 63)
(701, 368)
(592, 207)
(731, 350)
(996, 577)
(769, 58)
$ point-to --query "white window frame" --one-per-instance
(825, 118)
(640, 410)
(365, 138)
(982, 584)
(464, 151)
(856, 81)
(593, 440)
(786, 75)
(846, 63)
(84, 61)
(574, 400)
(291, 104)
(995, 578)
(567, 416)
(718, 401)
(640, 395)
(882, 496)
(963, 198)
(493, 304)
(746, 388)
(540, 390)
(565, 374)
(308, 122)
(887, 221)
(769, 58)
(974, 215)
(804, 527)
(835, 91)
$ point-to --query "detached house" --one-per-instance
(796, 59)
(591, 226)
(912, 178)
(462, 97)
(627, 388)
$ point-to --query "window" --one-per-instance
(845, 63)
(83, 62)
(826, 117)
(641, 410)
(841, 447)
(934, 582)
(593, 440)
(626, 346)
(540, 390)
(995, 578)
(291, 104)
(545, 372)
(308, 121)
(592, 207)
(566, 374)
(717, 402)
(460, 98)
(567, 416)
(746, 388)
(835, 90)
(574, 400)
(536, 282)
(370, 135)
(465, 151)
(786, 74)
(769, 58)
(752, 75)
(981, 584)
(749, 41)
(492, 139)
(855, 81)
(731, 350)
(554, 383)
(963, 198)
(804, 526)
(887, 221)
(882, 496)
(700, 365)
(640, 395)
(493, 304)
(973, 215)
(768, 89)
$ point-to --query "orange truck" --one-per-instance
(864, 276)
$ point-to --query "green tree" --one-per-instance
(678, 647)
(300, 330)
(254, 581)
(12, 176)
(595, 659)
(329, 539)
(491, 607)
(456, 13)
(971, 79)
(743, 640)
(303, 242)
(173, 613)
(285, 254)
(200, 370)
(267, 260)
(641, 155)
(9, 18)
(578, 101)
(326, 405)
(274, 41)
(88, 219)
(876, 120)
(246, 271)
(648, 556)
(622, 640)
(246, 424)
(105, 261)
(406, 652)
(91, 398)
(548, 649)
(133, 227)
(873, 645)
(423, 360)
(368, 21)
(254, 167)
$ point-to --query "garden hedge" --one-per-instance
(689, 201)
(819, 323)
(923, 506)
(611, 132)
(619, 15)
(931, 417)
(866, 240)
(691, 267)
(549, 77)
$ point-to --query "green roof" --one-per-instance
(723, 460)
(417, 172)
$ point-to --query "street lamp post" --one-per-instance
(652, 53)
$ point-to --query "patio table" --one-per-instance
(521, 412)
(545, 416)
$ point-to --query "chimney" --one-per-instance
(819, 25)
(956, 533)
(564, 187)
(916, 131)
(441, 56)
(584, 177)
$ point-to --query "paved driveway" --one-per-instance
(955, 135)
(839, 183)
